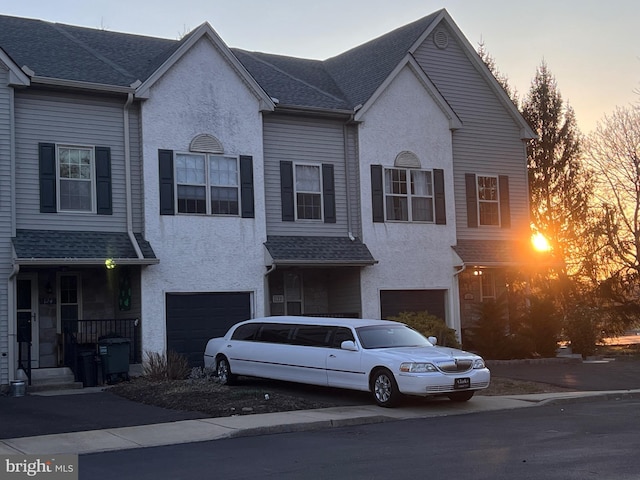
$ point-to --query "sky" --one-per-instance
(591, 47)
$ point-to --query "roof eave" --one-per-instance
(302, 109)
(79, 85)
(205, 30)
(84, 261)
(325, 263)
(17, 77)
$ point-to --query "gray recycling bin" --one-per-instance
(114, 355)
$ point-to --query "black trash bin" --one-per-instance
(114, 356)
(87, 373)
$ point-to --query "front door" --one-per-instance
(27, 319)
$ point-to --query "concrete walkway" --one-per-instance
(199, 430)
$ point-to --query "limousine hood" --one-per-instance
(430, 354)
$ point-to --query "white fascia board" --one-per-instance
(84, 261)
(526, 131)
(16, 76)
(206, 30)
(409, 61)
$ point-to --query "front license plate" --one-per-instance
(461, 383)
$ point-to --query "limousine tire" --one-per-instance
(223, 370)
(461, 396)
(384, 388)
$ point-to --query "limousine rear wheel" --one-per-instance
(384, 388)
(223, 369)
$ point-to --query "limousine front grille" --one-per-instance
(450, 388)
(455, 366)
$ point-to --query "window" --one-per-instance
(207, 184)
(69, 302)
(488, 201)
(408, 195)
(76, 178)
(308, 192)
(487, 285)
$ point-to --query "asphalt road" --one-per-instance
(569, 441)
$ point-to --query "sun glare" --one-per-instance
(540, 243)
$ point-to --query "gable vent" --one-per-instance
(407, 159)
(441, 39)
(206, 143)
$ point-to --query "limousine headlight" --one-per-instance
(478, 363)
(412, 367)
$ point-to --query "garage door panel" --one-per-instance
(194, 318)
(393, 302)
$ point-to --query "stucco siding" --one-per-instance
(411, 256)
(70, 120)
(489, 142)
(304, 140)
(200, 94)
(5, 219)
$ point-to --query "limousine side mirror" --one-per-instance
(433, 340)
(349, 345)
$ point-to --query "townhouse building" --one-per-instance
(163, 190)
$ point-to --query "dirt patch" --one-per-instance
(253, 396)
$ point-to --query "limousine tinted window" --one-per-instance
(341, 334)
(312, 336)
(246, 332)
(275, 333)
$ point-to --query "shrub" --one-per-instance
(429, 325)
(165, 366)
(489, 336)
(582, 328)
(542, 325)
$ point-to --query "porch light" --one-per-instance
(477, 272)
(110, 263)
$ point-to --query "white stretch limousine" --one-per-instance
(384, 357)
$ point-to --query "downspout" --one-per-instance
(347, 181)
(456, 303)
(127, 169)
(11, 304)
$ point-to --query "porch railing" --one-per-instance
(84, 335)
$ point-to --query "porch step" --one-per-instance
(48, 379)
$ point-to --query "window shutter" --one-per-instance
(165, 173)
(505, 209)
(246, 186)
(103, 181)
(438, 193)
(286, 191)
(377, 193)
(472, 200)
(328, 193)
(47, 160)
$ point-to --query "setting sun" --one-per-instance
(540, 243)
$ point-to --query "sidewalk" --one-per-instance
(205, 429)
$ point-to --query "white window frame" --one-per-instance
(208, 184)
(60, 179)
(487, 277)
(410, 195)
(496, 201)
(297, 191)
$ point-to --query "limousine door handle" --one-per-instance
(331, 355)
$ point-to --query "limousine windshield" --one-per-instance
(390, 337)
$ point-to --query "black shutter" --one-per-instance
(472, 200)
(165, 173)
(438, 193)
(505, 209)
(286, 191)
(377, 193)
(246, 186)
(103, 181)
(47, 160)
(328, 193)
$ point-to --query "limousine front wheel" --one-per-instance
(223, 371)
(384, 388)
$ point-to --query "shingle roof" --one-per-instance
(98, 56)
(33, 245)
(296, 250)
(500, 253)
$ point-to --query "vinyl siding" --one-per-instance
(137, 187)
(74, 120)
(5, 220)
(488, 143)
(353, 179)
(299, 139)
